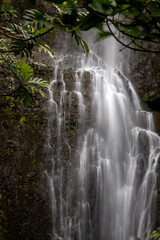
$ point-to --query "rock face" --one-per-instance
(143, 69)
(25, 212)
(24, 195)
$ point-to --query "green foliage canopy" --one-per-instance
(137, 20)
(22, 84)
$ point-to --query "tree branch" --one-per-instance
(131, 36)
(40, 35)
(27, 39)
(8, 94)
(127, 46)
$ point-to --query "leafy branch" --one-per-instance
(138, 21)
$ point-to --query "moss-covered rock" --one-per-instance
(24, 198)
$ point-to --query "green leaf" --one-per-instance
(89, 22)
(23, 95)
(100, 26)
(25, 70)
(144, 18)
(155, 234)
(84, 46)
(47, 49)
(13, 68)
(36, 19)
(40, 91)
(7, 10)
(104, 34)
(42, 31)
(134, 31)
(103, 7)
(81, 42)
(38, 81)
(154, 8)
(134, 11)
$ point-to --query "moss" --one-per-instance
(34, 160)
(22, 120)
(145, 97)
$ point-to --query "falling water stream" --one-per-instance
(103, 151)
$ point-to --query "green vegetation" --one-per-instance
(20, 82)
(154, 236)
(138, 20)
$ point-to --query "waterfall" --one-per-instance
(103, 152)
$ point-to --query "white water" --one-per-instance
(102, 183)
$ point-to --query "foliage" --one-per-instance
(138, 20)
(156, 234)
(23, 84)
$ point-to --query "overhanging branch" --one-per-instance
(126, 45)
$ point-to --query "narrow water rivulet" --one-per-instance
(103, 153)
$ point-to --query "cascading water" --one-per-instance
(104, 154)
